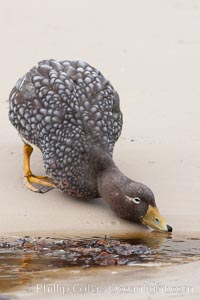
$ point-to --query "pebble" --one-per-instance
(60, 242)
(84, 253)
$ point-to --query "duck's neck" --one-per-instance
(110, 187)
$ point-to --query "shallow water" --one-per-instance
(19, 265)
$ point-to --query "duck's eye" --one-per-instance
(136, 200)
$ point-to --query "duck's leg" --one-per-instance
(39, 184)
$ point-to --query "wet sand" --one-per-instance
(150, 52)
(155, 283)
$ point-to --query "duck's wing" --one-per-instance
(70, 95)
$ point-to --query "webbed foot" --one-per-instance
(38, 184)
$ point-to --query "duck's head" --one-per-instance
(141, 207)
(131, 200)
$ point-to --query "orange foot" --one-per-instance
(39, 184)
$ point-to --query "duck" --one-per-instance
(71, 112)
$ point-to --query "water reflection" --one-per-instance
(151, 239)
(19, 265)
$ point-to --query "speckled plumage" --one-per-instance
(71, 112)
